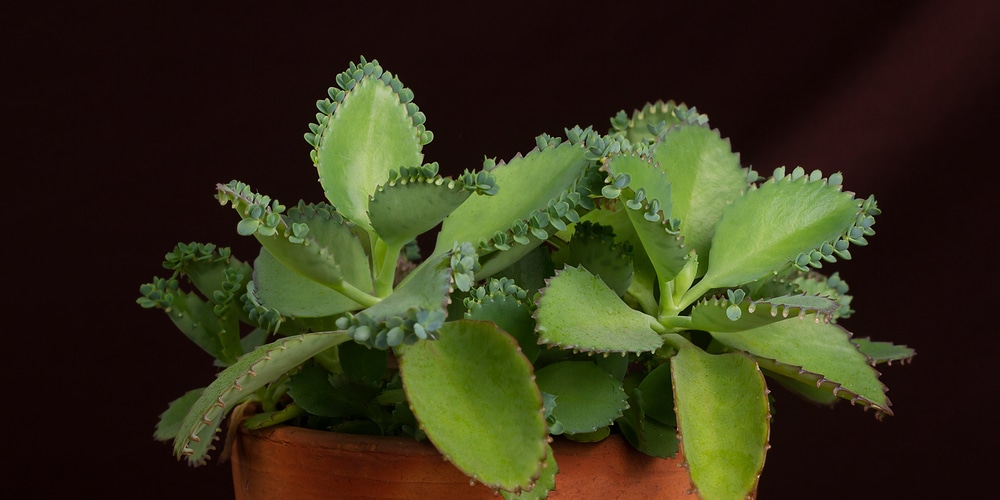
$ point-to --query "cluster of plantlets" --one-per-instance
(639, 281)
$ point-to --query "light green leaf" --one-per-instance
(170, 420)
(587, 396)
(278, 287)
(710, 314)
(813, 351)
(473, 378)
(238, 382)
(766, 228)
(723, 420)
(705, 176)
(884, 352)
(369, 134)
(401, 211)
(521, 195)
(578, 311)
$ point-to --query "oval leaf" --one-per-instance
(474, 377)
(587, 396)
(723, 420)
(577, 310)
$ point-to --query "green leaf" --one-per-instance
(595, 247)
(511, 316)
(473, 378)
(311, 389)
(723, 420)
(587, 396)
(884, 352)
(766, 228)
(710, 314)
(705, 176)
(238, 382)
(521, 196)
(813, 351)
(543, 485)
(659, 116)
(170, 420)
(402, 210)
(578, 311)
(278, 287)
(370, 133)
(658, 395)
(645, 433)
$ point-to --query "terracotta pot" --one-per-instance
(292, 462)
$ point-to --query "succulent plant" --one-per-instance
(638, 281)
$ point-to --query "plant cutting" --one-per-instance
(635, 281)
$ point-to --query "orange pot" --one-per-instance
(296, 463)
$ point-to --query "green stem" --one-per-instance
(385, 258)
(356, 294)
(693, 294)
(675, 323)
(289, 412)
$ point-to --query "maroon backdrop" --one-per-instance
(121, 120)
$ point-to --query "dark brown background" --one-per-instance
(121, 120)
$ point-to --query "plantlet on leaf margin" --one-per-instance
(639, 282)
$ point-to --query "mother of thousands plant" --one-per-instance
(639, 281)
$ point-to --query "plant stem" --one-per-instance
(354, 293)
(385, 258)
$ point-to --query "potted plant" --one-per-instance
(637, 284)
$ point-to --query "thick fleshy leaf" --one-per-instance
(666, 251)
(512, 316)
(646, 433)
(658, 395)
(816, 352)
(657, 116)
(705, 176)
(587, 396)
(522, 200)
(578, 311)
(474, 377)
(171, 419)
(723, 419)
(400, 211)
(426, 288)
(369, 133)
(884, 352)
(278, 287)
(645, 175)
(238, 382)
(643, 284)
(716, 315)
(767, 228)
(595, 248)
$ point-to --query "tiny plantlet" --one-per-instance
(635, 280)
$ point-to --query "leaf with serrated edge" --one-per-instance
(587, 396)
(238, 382)
(578, 311)
(814, 351)
(710, 315)
(480, 217)
(370, 134)
(884, 352)
(170, 420)
(474, 377)
(705, 175)
(723, 419)
(401, 211)
(545, 483)
(290, 293)
(768, 227)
